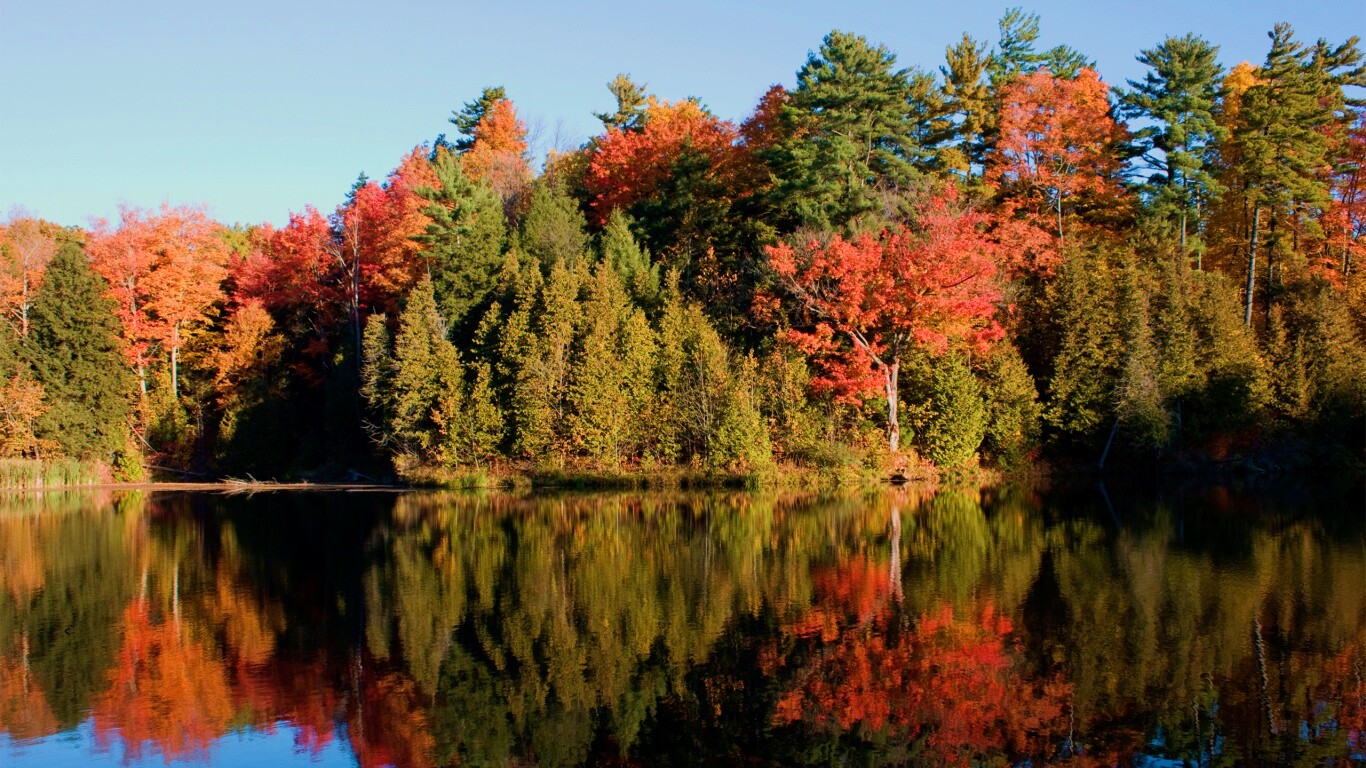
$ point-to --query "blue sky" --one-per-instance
(259, 108)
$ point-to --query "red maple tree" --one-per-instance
(866, 302)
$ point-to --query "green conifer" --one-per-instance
(554, 229)
(959, 421)
(74, 349)
(464, 242)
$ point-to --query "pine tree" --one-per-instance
(630, 109)
(467, 119)
(631, 262)
(1280, 143)
(850, 137)
(553, 229)
(960, 418)
(968, 107)
(1015, 53)
(599, 412)
(1179, 97)
(463, 244)
(77, 358)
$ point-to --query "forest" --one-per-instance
(993, 263)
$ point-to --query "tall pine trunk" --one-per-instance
(1252, 262)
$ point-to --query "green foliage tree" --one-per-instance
(464, 241)
(75, 352)
(1012, 404)
(960, 416)
(850, 140)
(630, 107)
(554, 227)
(1281, 143)
(426, 384)
(631, 262)
(467, 119)
(1179, 96)
(541, 390)
(599, 414)
(1015, 53)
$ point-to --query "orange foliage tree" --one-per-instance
(498, 154)
(950, 682)
(630, 165)
(379, 259)
(166, 271)
(868, 301)
(1057, 147)
(26, 246)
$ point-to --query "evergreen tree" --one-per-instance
(1236, 387)
(76, 356)
(631, 262)
(1179, 374)
(427, 382)
(599, 413)
(850, 137)
(377, 380)
(539, 399)
(1084, 371)
(1012, 404)
(967, 107)
(480, 424)
(638, 352)
(630, 109)
(960, 418)
(793, 422)
(553, 229)
(741, 440)
(467, 119)
(667, 419)
(1281, 143)
(1178, 96)
(1140, 401)
(463, 244)
(1015, 53)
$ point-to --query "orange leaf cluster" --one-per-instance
(629, 166)
(932, 285)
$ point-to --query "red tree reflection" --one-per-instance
(949, 681)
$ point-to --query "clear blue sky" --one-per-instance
(259, 108)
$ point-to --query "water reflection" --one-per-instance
(1093, 627)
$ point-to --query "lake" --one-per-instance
(1085, 626)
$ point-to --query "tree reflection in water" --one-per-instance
(894, 628)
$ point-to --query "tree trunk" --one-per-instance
(1270, 269)
(1252, 263)
(175, 372)
(23, 310)
(889, 377)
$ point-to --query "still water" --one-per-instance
(1087, 627)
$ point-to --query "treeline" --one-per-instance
(994, 260)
